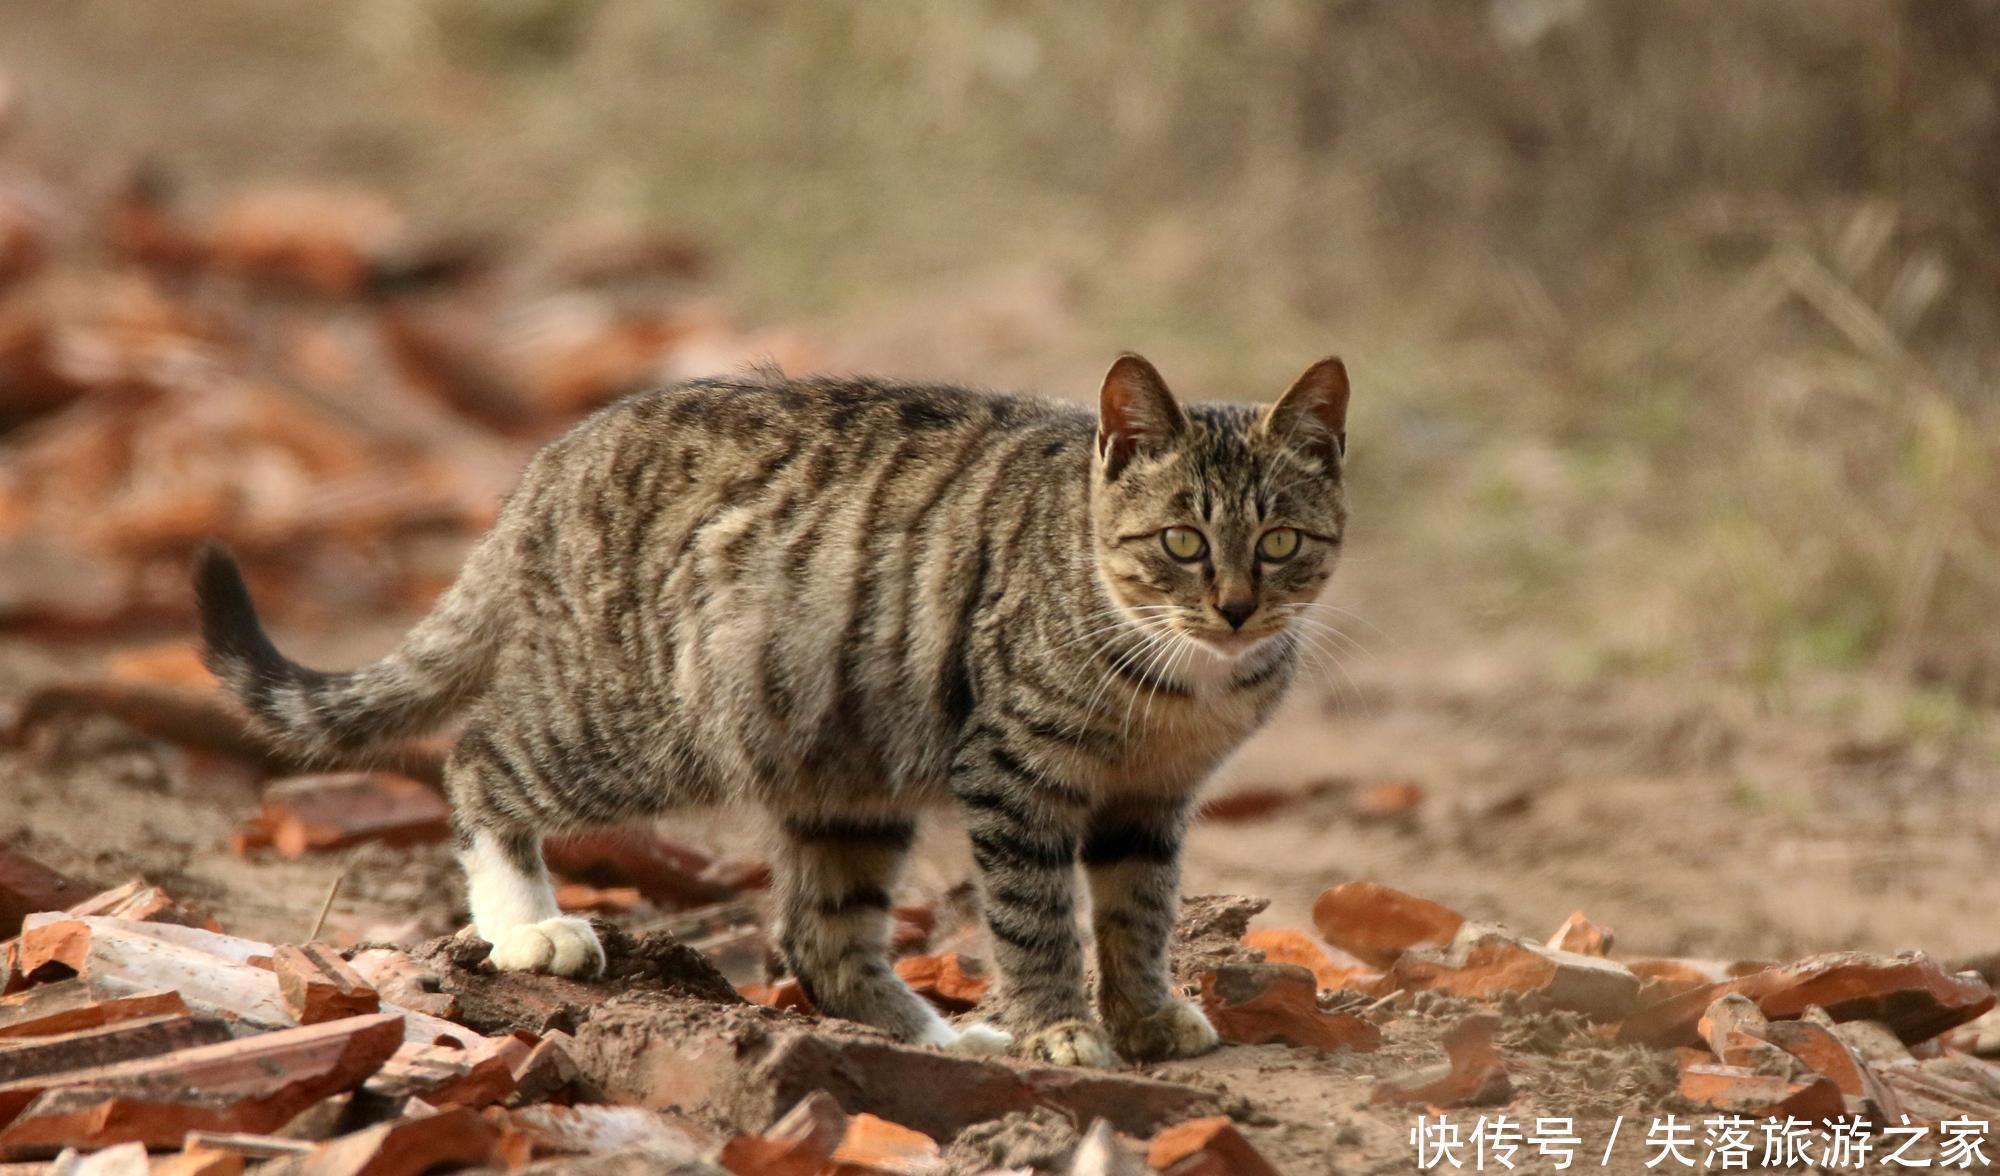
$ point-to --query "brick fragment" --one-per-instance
(1485, 962)
(1387, 799)
(787, 993)
(1580, 935)
(444, 1076)
(1734, 1029)
(144, 904)
(402, 1147)
(1247, 804)
(952, 982)
(1740, 1090)
(77, 1003)
(1331, 967)
(253, 1084)
(308, 814)
(546, 1073)
(664, 871)
(1257, 1004)
(401, 979)
(317, 985)
(200, 1161)
(873, 1146)
(1473, 1075)
(1210, 1146)
(1377, 924)
(27, 886)
(1910, 993)
(210, 972)
(578, 898)
(105, 1045)
(1821, 1051)
(800, 1144)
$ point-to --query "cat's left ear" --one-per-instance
(1313, 414)
(1135, 413)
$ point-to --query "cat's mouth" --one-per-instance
(1229, 642)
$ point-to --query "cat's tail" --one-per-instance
(442, 662)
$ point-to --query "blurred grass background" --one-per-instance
(1672, 322)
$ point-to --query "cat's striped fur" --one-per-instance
(843, 600)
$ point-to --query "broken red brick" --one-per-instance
(105, 1045)
(170, 663)
(800, 1144)
(404, 1147)
(1257, 1004)
(1389, 798)
(69, 1005)
(546, 1073)
(1580, 935)
(1734, 1030)
(1660, 979)
(307, 814)
(1739, 1090)
(665, 871)
(208, 970)
(1822, 1051)
(401, 979)
(1910, 993)
(200, 1161)
(874, 1146)
(578, 898)
(1473, 1075)
(143, 904)
(28, 886)
(1206, 1147)
(1376, 924)
(1676, 1020)
(444, 1076)
(1485, 963)
(787, 993)
(534, 1132)
(1285, 946)
(317, 985)
(253, 1084)
(1247, 804)
(952, 982)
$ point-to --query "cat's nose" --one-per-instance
(1236, 611)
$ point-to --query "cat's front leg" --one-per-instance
(1025, 830)
(1132, 852)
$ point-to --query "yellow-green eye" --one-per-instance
(1278, 544)
(1184, 543)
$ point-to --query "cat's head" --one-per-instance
(1220, 523)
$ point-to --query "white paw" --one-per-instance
(1072, 1043)
(563, 946)
(1177, 1030)
(981, 1040)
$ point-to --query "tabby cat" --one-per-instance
(844, 599)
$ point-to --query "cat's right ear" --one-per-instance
(1135, 414)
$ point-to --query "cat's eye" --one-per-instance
(1184, 543)
(1278, 544)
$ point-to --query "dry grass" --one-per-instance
(1673, 319)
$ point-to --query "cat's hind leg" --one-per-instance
(507, 884)
(833, 893)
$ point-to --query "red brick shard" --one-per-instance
(952, 982)
(800, 1144)
(145, 904)
(210, 972)
(1486, 963)
(308, 814)
(444, 1076)
(1206, 1147)
(450, 1139)
(254, 1084)
(666, 872)
(875, 1146)
(1331, 967)
(1258, 1004)
(69, 1005)
(105, 1045)
(1473, 1075)
(1739, 1090)
(1376, 924)
(317, 985)
(1910, 993)
(1580, 935)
